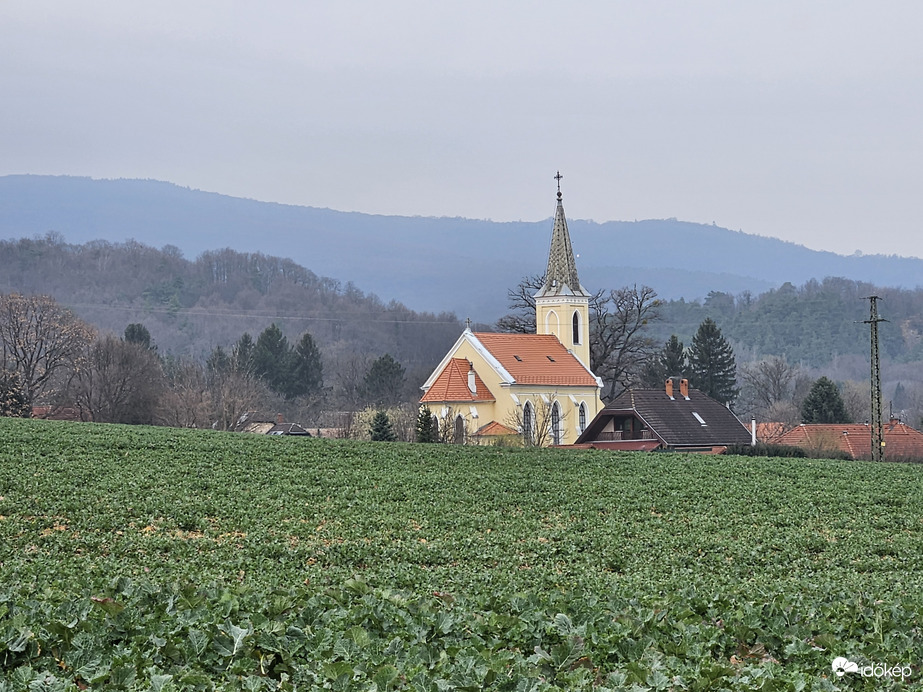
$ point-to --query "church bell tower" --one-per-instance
(562, 305)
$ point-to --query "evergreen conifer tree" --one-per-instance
(384, 381)
(381, 429)
(668, 362)
(712, 368)
(823, 404)
(307, 376)
(288, 371)
(218, 361)
(673, 358)
(137, 333)
(13, 400)
(426, 430)
(271, 359)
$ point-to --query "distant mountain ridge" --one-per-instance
(432, 264)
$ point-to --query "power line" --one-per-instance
(201, 312)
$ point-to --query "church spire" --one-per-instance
(561, 274)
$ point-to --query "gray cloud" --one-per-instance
(791, 119)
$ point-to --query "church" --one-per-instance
(535, 387)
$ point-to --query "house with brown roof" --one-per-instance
(676, 417)
(538, 386)
(902, 443)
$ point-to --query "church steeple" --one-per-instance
(561, 274)
(562, 304)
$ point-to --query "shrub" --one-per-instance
(763, 449)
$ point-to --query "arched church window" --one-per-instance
(576, 327)
(459, 437)
(551, 322)
(527, 422)
(581, 418)
(555, 424)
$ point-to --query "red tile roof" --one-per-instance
(770, 432)
(495, 428)
(536, 359)
(901, 441)
(452, 385)
(56, 413)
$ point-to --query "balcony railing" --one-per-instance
(614, 435)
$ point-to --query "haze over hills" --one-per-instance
(431, 264)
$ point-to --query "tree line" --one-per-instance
(50, 358)
(191, 306)
(624, 350)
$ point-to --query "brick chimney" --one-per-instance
(279, 419)
(669, 386)
(684, 388)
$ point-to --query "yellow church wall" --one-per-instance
(554, 316)
(541, 398)
(506, 411)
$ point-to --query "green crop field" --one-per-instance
(163, 559)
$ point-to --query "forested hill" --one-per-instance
(812, 324)
(190, 307)
(434, 264)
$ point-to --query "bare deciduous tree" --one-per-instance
(39, 340)
(540, 421)
(618, 346)
(454, 426)
(118, 382)
(771, 379)
(521, 300)
(186, 402)
(234, 393)
(769, 387)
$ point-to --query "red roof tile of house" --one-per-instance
(56, 413)
(452, 385)
(536, 359)
(495, 428)
(901, 441)
(770, 432)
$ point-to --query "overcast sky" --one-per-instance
(794, 119)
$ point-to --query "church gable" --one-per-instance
(458, 382)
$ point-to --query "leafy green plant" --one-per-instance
(145, 558)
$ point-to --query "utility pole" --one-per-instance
(878, 441)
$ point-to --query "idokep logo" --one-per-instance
(842, 665)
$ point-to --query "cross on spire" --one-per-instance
(558, 178)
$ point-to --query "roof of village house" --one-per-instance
(561, 274)
(621, 445)
(696, 421)
(495, 428)
(452, 385)
(288, 429)
(770, 432)
(855, 439)
(536, 359)
(56, 413)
